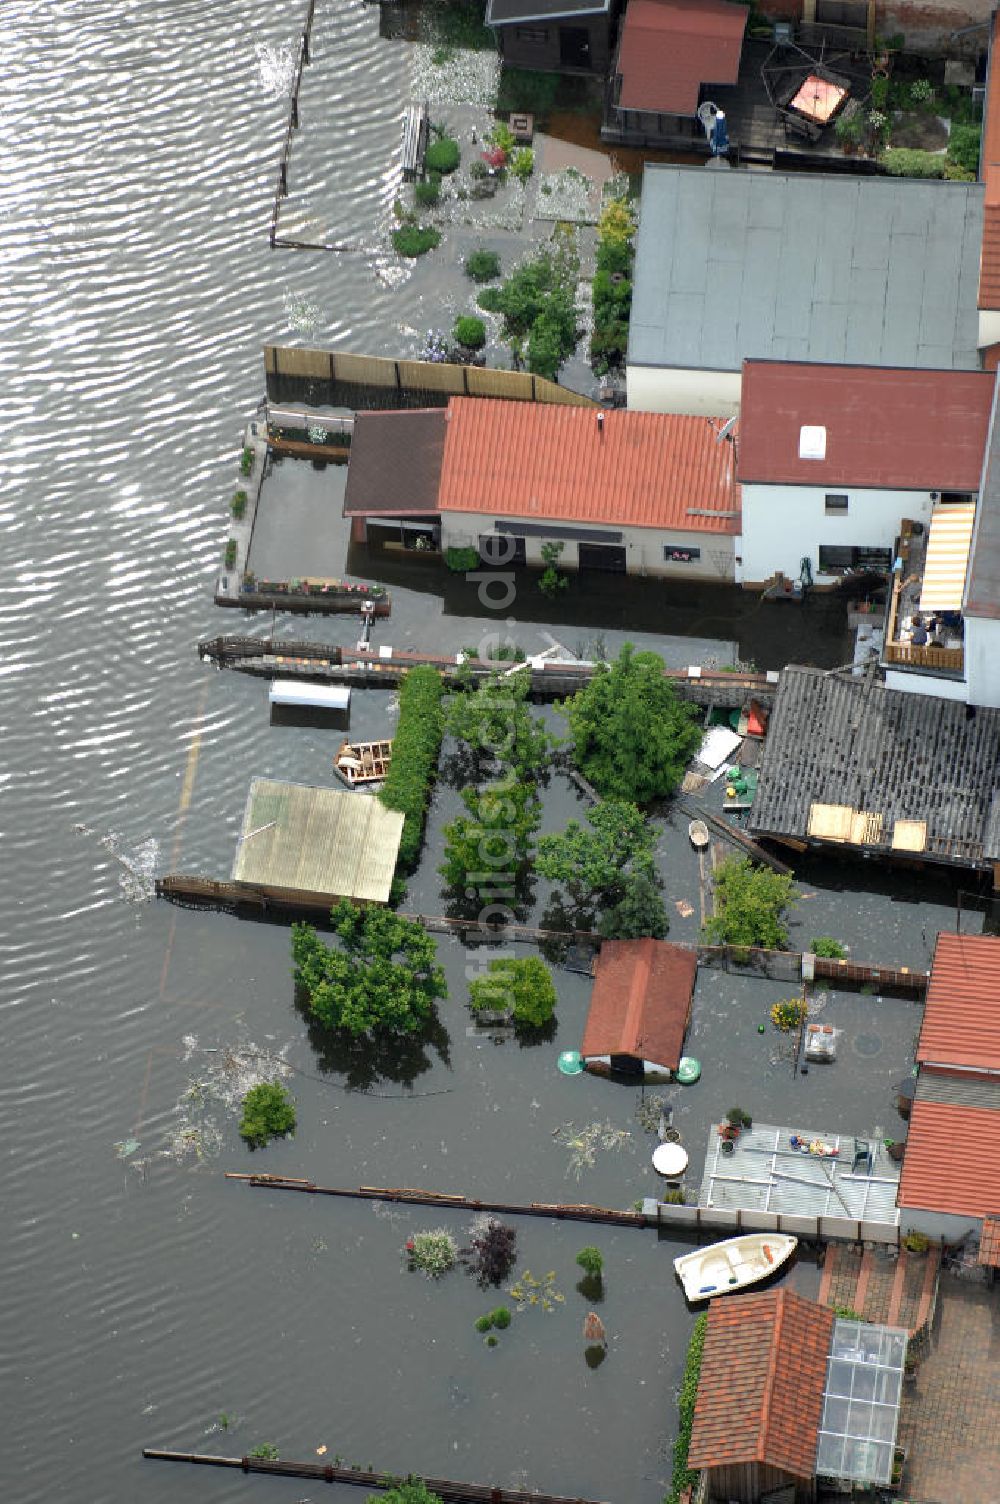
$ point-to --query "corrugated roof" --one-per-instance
(506, 12)
(317, 840)
(952, 1160)
(804, 266)
(885, 427)
(760, 1392)
(395, 463)
(982, 592)
(641, 1001)
(966, 1090)
(961, 1024)
(989, 172)
(669, 48)
(629, 469)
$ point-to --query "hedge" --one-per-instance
(415, 240)
(683, 1477)
(907, 162)
(415, 750)
(442, 156)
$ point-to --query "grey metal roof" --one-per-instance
(836, 739)
(875, 271)
(982, 590)
(962, 1091)
(505, 12)
(765, 1174)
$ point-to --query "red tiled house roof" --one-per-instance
(961, 1023)
(641, 1001)
(669, 48)
(760, 1393)
(989, 172)
(572, 464)
(952, 1159)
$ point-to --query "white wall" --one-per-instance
(928, 684)
(662, 389)
(644, 547)
(982, 660)
(989, 327)
(942, 1227)
(784, 524)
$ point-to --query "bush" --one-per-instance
(907, 162)
(521, 986)
(409, 1490)
(268, 1112)
(442, 156)
(461, 560)
(428, 192)
(641, 911)
(500, 1318)
(483, 1323)
(246, 460)
(591, 1261)
(482, 266)
(415, 750)
(787, 1015)
(830, 949)
(683, 1477)
(470, 332)
(916, 1242)
(415, 240)
(383, 977)
(750, 903)
(963, 147)
(522, 163)
(491, 1341)
(673, 1198)
(266, 1451)
(492, 1252)
(433, 1253)
(230, 552)
(238, 505)
(490, 299)
(848, 1313)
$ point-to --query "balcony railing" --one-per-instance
(949, 660)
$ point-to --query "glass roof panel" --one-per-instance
(861, 1402)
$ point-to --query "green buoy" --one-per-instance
(570, 1062)
(760, 1028)
(688, 1070)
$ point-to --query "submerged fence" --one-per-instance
(734, 1220)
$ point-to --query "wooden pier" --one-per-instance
(328, 1472)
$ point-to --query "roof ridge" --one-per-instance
(765, 1408)
(637, 994)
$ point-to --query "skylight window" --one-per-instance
(812, 442)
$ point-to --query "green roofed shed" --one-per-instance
(316, 844)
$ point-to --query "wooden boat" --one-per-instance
(698, 834)
(722, 1268)
(363, 762)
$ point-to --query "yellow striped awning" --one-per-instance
(947, 557)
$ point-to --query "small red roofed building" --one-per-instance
(950, 1182)
(639, 1008)
(760, 1397)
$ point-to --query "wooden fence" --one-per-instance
(301, 58)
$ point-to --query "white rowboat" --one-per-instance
(722, 1268)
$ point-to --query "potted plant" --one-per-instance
(916, 1242)
(737, 1120)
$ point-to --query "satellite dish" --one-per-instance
(726, 430)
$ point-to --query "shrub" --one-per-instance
(880, 92)
(230, 552)
(492, 1252)
(672, 1198)
(521, 986)
(428, 192)
(433, 1253)
(848, 128)
(848, 1313)
(750, 903)
(409, 1490)
(442, 156)
(963, 147)
(502, 136)
(491, 1341)
(500, 1318)
(483, 1323)
(916, 1242)
(640, 913)
(922, 94)
(482, 266)
(461, 560)
(470, 332)
(787, 1015)
(238, 505)
(683, 1477)
(522, 163)
(955, 174)
(415, 750)
(415, 240)
(616, 224)
(246, 459)
(591, 1260)
(490, 299)
(268, 1112)
(907, 162)
(830, 949)
(382, 978)
(266, 1450)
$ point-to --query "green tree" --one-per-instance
(383, 977)
(546, 346)
(749, 904)
(594, 862)
(410, 1491)
(639, 912)
(268, 1112)
(415, 750)
(493, 842)
(496, 721)
(591, 1260)
(632, 736)
(520, 986)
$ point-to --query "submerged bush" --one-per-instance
(500, 1318)
(429, 191)
(461, 560)
(265, 1450)
(482, 266)
(591, 1260)
(492, 1252)
(246, 460)
(238, 505)
(442, 156)
(470, 332)
(433, 1253)
(520, 986)
(268, 1112)
(683, 1476)
(415, 240)
(415, 750)
(230, 552)
(828, 948)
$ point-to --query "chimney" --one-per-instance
(600, 423)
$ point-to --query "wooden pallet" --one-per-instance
(363, 762)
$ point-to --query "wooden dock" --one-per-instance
(330, 1472)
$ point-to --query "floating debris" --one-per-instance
(583, 1143)
(302, 315)
(275, 68)
(127, 1146)
(649, 1112)
(228, 1074)
(567, 196)
(446, 75)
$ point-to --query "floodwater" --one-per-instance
(143, 1297)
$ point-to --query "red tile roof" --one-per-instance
(961, 1024)
(760, 1394)
(669, 48)
(989, 172)
(641, 1001)
(627, 469)
(885, 427)
(952, 1159)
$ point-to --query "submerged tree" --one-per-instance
(520, 986)
(639, 913)
(632, 736)
(750, 902)
(492, 843)
(496, 721)
(594, 863)
(384, 975)
(268, 1112)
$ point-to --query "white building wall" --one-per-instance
(928, 684)
(663, 389)
(784, 524)
(989, 327)
(982, 660)
(644, 547)
(942, 1227)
